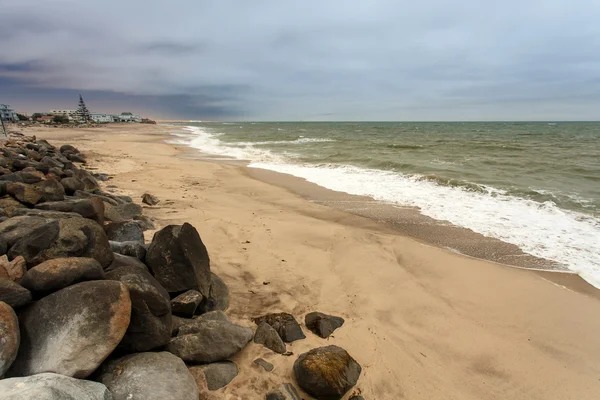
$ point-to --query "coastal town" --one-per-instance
(69, 116)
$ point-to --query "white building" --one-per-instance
(72, 114)
(101, 118)
(129, 117)
(7, 113)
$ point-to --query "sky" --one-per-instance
(305, 60)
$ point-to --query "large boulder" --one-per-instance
(186, 303)
(72, 331)
(49, 386)
(268, 337)
(149, 376)
(58, 273)
(76, 237)
(9, 205)
(9, 337)
(71, 185)
(131, 249)
(16, 228)
(48, 215)
(31, 176)
(13, 294)
(208, 341)
(87, 208)
(121, 260)
(218, 298)
(326, 372)
(26, 194)
(90, 183)
(284, 391)
(178, 322)
(122, 212)
(150, 325)
(179, 260)
(50, 190)
(322, 324)
(285, 324)
(218, 374)
(127, 231)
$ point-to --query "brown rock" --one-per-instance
(13, 294)
(58, 273)
(14, 269)
(149, 199)
(9, 337)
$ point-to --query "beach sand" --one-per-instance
(424, 322)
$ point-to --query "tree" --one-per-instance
(36, 116)
(22, 117)
(61, 119)
(83, 111)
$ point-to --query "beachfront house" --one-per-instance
(73, 115)
(129, 117)
(101, 118)
(7, 113)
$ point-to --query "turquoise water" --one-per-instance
(536, 185)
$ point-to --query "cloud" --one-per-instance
(380, 59)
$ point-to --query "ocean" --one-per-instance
(532, 184)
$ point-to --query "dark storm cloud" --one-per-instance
(381, 59)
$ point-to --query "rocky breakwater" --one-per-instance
(89, 310)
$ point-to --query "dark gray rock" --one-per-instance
(56, 274)
(49, 386)
(71, 185)
(77, 237)
(144, 222)
(3, 244)
(13, 177)
(268, 337)
(178, 322)
(18, 227)
(84, 207)
(326, 372)
(50, 190)
(80, 194)
(209, 341)
(48, 215)
(13, 294)
(186, 303)
(321, 324)
(219, 374)
(150, 325)
(149, 376)
(122, 212)
(80, 158)
(131, 249)
(73, 330)
(285, 324)
(121, 260)
(267, 366)
(9, 337)
(179, 260)
(218, 298)
(128, 231)
(149, 199)
(196, 321)
(88, 180)
(284, 392)
(67, 148)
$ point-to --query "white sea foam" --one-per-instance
(540, 229)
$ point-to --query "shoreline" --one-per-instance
(422, 320)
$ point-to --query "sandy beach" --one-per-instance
(423, 321)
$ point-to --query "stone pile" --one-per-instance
(88, 310)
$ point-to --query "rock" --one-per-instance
(218, 298)
(31, 177)
(285, 324)
(321, 324)
(209, 341)
(50, 190)
(17, 227)
(76, 237)
(120, 261)
(48, 215)
(9, 337)
(72, 331)
(144, 222)
(26, 194)
(71, 185)
(13, 177)
(179, 260)
(356, 398)
(149, 199)
(128, 231)
(199, 320)
(3, 244)
(150, 325)
(67, 148)
(284, 392)
(202, 385)
(122, 212)
(58, 273)
(88, 180)
(131, 249)
(86, 208)
(268, 337)
(326, 372)
(8, 204)
(267, 366)
(76, 158)
(80, 194)
(186, 303)
(102, 177)
(178, 322)
(218, 374)
(49, 386)
(14, 269)
(13, 294)
(149, 376)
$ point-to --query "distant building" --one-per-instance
(46, 119)
(129, 117)
(7, 113)
(72, 114)
(101, 118)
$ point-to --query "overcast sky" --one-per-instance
(305, 60)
